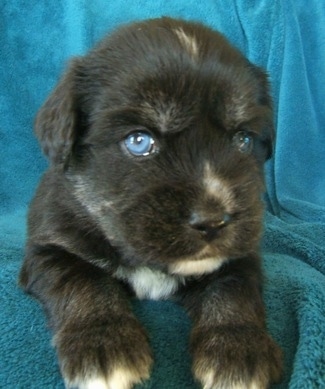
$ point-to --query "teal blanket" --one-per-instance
(287, 37)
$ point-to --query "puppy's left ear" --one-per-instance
(56, 124)
(264, 99)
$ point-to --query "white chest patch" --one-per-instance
(148, 283)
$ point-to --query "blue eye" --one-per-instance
(243, 141)
(140, 144)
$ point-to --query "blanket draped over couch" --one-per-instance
(287, 37)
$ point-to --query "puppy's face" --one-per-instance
(162, 131)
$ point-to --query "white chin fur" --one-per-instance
(196, 267)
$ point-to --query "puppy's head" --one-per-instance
(162, 131)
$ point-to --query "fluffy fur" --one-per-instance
(181, 221)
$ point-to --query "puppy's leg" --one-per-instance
(99, 342)
(230, 346)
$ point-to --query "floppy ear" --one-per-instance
(56, 121)
(265, 100)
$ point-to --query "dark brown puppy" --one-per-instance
(157, 140)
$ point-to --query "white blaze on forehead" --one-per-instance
(217, 187)
(188, 42)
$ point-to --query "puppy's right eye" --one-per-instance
(243, 141)
(140, 144)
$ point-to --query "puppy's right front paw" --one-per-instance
(104, 356)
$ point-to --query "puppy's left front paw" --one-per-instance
(235, 357)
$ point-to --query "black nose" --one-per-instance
(209, 225)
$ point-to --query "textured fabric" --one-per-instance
(287, 38)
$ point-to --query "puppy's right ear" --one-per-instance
(56, 121)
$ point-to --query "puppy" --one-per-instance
(156, 141)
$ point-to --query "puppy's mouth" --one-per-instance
(205, 261)
(186, 231)
(186, 256)
(180, 249)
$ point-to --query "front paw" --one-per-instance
(111, 355)
(235, 357)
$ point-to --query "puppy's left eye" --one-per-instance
(140, 144)
(243, 141)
